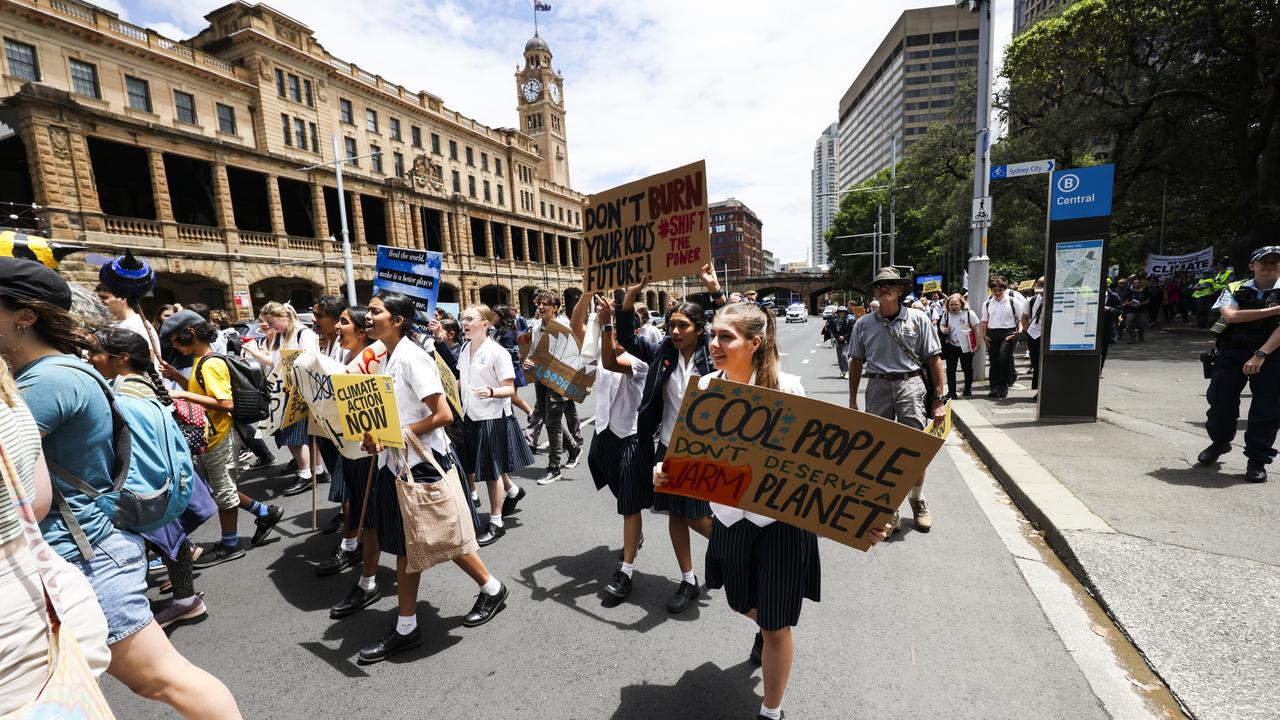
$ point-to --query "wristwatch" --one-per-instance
(717, 294)
(607, 327)
(1259, 354)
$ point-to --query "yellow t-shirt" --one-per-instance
(217, 385)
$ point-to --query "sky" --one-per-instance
(747, 85)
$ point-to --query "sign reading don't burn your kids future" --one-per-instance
(825, 468)
(654, 228)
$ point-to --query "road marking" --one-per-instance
(588, 421)
(812, 351)
(1060, 597)
(804, 361)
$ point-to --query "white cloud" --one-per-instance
(748, 85)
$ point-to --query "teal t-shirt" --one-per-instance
(72, 412)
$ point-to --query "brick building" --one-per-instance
(191, 152)
(736, 243)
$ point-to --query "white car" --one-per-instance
(797, 313)
(828, 311)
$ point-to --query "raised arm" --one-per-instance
(578, 320)
(609, 358)
(625, 326)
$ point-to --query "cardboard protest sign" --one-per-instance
(933, 286)
(825, 468)
(858, 312)
(450, 384)
(312, 378)
(942, 429)
(369, 360)
(655, 227)
(415, 273)
(525, 342)
(367, 404)
(558, 361)
(280, 391)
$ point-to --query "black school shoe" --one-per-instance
(757, 649)
(486, 607)
(491, 535)
(1212, 453)
(620, 586)
(298, 487)
(355, 601)
(684, 596)
(265, 524)
(1256, 472)
(337, 562)
(509, 503)
(390, 644)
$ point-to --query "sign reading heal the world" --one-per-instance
(655, 228)
(818, 466)
(415, 273)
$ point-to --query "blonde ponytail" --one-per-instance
(752, 322)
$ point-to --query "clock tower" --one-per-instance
(540, 105)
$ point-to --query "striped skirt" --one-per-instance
(493, 447)
(618, 463)
(355, 478)
(771, 569)
(333, 464)
(384, 503)
(677, 505)
(292, 436)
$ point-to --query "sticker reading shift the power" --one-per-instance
(822, 467)
(367, 404)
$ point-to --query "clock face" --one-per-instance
(554, 91)
(531, 90)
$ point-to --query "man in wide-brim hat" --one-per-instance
(897, 350)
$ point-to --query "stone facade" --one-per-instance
(195, 154)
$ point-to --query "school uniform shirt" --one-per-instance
(959, 326)
(333, 350)
(137, 324)
(535, 328)
(1004, 314)
(1036, 326)
(674, 393)
(303, 339)
(484, 366)
(650, 333)
(414, 374)
(618, 397)
(727, 514)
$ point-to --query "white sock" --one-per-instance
(406, 625)
(628, 568)
(689, 577)
(771, 713)
(917, 493)
(368, 583)
(349, 544)
(304, 474)
(475, 495)
(513, 491)
(496, 520)
(492, 587)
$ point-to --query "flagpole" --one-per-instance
(535, 19)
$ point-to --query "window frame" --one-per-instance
(300, 133)
(393, 128)
(72, 63)
(10, 43)
(351, 151)
(375, 158)
(286, 125)
(177, 107)
(346, 112)
(217, 111)
(415, 136)
(397, 164)
(129, 95)
(371, 120)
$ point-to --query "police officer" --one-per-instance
(839, 327)
(1210, 286)
(897, 349)
(1251, 310)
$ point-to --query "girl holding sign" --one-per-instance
(494, 445)
(424, 411)
(616, 459)
(680, 356)
(766, 567)
(286, 332)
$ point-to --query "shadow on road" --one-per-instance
(583, 591)
(1203, 477)
(367, 626)
(731, 691)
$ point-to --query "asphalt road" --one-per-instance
(973, 620)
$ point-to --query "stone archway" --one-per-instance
(816, 299)
(526, 294)
(186, 288)
(571, 296)
(662, 302)
(299, 292)
(495, 295)
(448, 293)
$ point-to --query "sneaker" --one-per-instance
(180, 611)
(895, 523)
(245, 457)
(217, 554)
(265, 524)
(553, 474)
(620, 586)
(156, 565)
(920, 511)
(844, 375)
(390, 644)
(574, 453)
(258, 463)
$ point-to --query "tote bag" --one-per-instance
(436, 518)
(70, 690)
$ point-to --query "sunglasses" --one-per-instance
(883, 284)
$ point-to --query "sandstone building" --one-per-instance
(192, 153)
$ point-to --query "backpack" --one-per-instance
(251, 400)
(152, 476)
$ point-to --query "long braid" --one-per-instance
(162, 393)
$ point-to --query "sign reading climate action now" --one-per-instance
(367, 404)
(825, 468)
(655, 228)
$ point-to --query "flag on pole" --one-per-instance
(541, 6)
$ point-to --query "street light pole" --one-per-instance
(893, 199)
(979, 263)
(342, 218)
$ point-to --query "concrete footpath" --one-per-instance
(1185, 558)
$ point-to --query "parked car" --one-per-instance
(828, 311)
(798, 313)
(657, 319)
